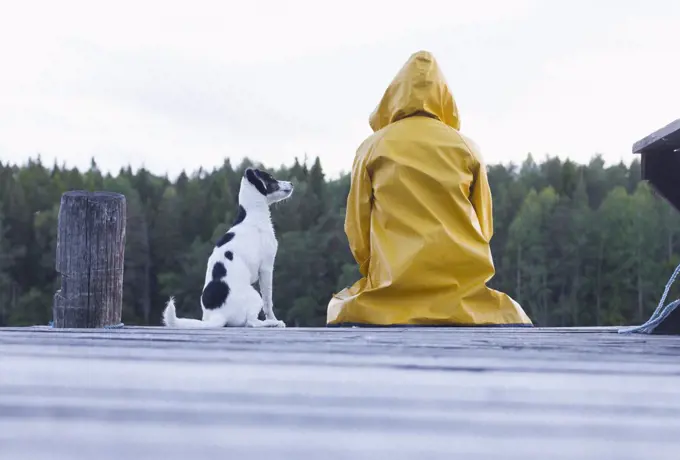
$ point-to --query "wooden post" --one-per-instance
(90, 257)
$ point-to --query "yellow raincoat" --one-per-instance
(419, 217)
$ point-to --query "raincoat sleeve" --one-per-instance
(358, 214)
(480, 195)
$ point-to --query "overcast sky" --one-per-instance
(179, 85)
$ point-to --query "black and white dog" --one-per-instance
(242, 256)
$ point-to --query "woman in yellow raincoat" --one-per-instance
(419, 217)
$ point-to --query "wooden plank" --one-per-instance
(666, 139)
(341, 393)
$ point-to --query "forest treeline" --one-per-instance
(575, 244)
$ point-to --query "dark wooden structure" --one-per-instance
(513, 394)
(660, 162)
(90, 257)
(660, 152)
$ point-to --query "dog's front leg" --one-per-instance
(266, 290)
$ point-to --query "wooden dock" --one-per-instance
(155, 393)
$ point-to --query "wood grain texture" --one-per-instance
(90, 259)
(159, 393)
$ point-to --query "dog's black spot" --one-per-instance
(240, 217)
(219, 271)
(263, 181)
(271, 184)
(214, 294)
(224, 239)
(256, 181)
(229, 255)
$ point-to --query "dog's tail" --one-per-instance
(170, 318)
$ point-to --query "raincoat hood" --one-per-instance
(419, 86)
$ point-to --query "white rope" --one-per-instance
(660, 313)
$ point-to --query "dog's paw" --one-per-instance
(280, 323)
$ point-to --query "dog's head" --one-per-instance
(273, 190)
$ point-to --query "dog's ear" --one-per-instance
(254, 179)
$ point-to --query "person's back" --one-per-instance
(419, 215)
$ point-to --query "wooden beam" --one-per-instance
(90, 257)
(666, 138)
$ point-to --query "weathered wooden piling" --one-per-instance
(90, 258)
